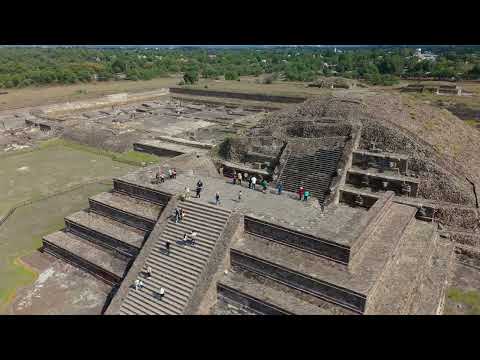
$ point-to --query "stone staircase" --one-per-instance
(178, 271)
(313, 172)
(105, 239)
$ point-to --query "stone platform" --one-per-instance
(94, 259)
(338, 223)
(166, 148)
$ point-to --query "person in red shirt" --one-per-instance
(301, 190)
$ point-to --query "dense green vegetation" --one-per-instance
(21, 67)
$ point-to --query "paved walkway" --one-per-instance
(283, 209)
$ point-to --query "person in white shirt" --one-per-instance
(254, 181)
(193, 237)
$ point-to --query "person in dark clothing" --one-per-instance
(181, 214)
(167, 246)
(217, 198)
(177, 215)
(199, 188)
(174, 173)
(279, 188)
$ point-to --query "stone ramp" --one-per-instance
(256, 294)
(123, 208)
(94, 259)
(177, 272)
(430, 294)
(395, 293)
(112, 233)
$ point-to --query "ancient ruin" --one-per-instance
(391, 211)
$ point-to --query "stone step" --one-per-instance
(257, 296)
(86, 255)
(145, 306)
(206, 218)
(125, 209)
(299, 270)
(169, 303)
(177, 257)
(176, 266)
(399, 281)
(177, 297)
(208, 238)
(430, 294)
(135, 307)
(214, 209)
(179, 270)
(170, 272)
(201, 229)
(186, 252)
(182, 290)
(199, 249)
(199, 220)
(104, 230)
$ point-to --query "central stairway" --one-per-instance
(313, 172)
(178, 271)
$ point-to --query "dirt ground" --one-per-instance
(75, 291)
(39, 96)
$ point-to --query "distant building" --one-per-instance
(424, 56)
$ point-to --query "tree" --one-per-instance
(474, 73)
(190, 77)
(231, 75)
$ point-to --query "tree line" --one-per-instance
(20, 67)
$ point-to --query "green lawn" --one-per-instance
(73, 172)
(470, 299)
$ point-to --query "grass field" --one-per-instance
(22, 234)
(468, 299)
(34, 174)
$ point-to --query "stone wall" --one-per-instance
(374, 215)
(313, 129)
(237, 95)
(232, 228)
(343, 165)
(322, 247)
(322, 289)
(439, 180)
(148, 194)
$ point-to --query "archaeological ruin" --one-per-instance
(392, 212)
